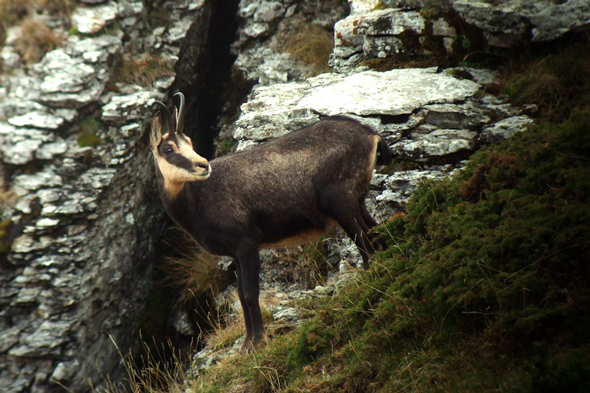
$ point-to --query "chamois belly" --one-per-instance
(304, 236)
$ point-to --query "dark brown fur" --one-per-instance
(293, 187)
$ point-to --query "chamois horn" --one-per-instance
(166, 118)
(179, 113)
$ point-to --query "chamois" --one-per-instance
(286, 192)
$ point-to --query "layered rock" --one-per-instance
(86, 218)
(509, 22)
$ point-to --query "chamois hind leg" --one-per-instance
(248, 261)
(377, 241)
(351, 219)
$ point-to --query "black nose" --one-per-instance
(204, 165)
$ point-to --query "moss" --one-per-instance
(226, 145)
(5, 241)
(158, 15)
(556, 82)
(63, 8)
(89, 126)
(11, 13)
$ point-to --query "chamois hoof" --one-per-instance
(247, 347)
(250, 346)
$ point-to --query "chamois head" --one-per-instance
(173, 150)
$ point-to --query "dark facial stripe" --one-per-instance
(180, 161)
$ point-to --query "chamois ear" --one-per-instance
(166, 121)
(179, 113)
(156, 131)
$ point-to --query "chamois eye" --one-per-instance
(168, 150)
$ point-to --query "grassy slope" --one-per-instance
(485, 286)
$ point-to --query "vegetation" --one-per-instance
(193, 273)
(485, 287)
(310, 44)
(486, 283)
(143, 72)
(35, 40)
(89, 126)
(5, 241)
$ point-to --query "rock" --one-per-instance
(49, 150)
(90, 20)
(437, 143)
(505, 129)
(95, 49)
(401, 185)
(45, 178)
(65, 370)
(273, 111)
(8, 338)
(68, 82)
(18, 145)
(44, 341)
(374, 34)
(25, 244)
(127, 108)
(9, 58)
(506, 23)
(37, 119)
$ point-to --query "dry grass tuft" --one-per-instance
(143, 72)
(152, 374)
(35, 40)
(12, 11)
(194, 273)
(63, 8)
(312, 45)
(226, 330)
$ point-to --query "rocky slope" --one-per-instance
(83, 216)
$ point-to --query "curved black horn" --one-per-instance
(179, 113)
(166, 118)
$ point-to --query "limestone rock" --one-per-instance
(274, 111)
(507, 22)
(506, 128)
(90, 20)
(126, 108)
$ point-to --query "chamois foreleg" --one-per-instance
(248, 269)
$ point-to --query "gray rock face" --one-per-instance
(88, 218)
(424, 114)
(375, 34)
(507, 22)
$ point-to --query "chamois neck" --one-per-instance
(172, 189)
(169, 190)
